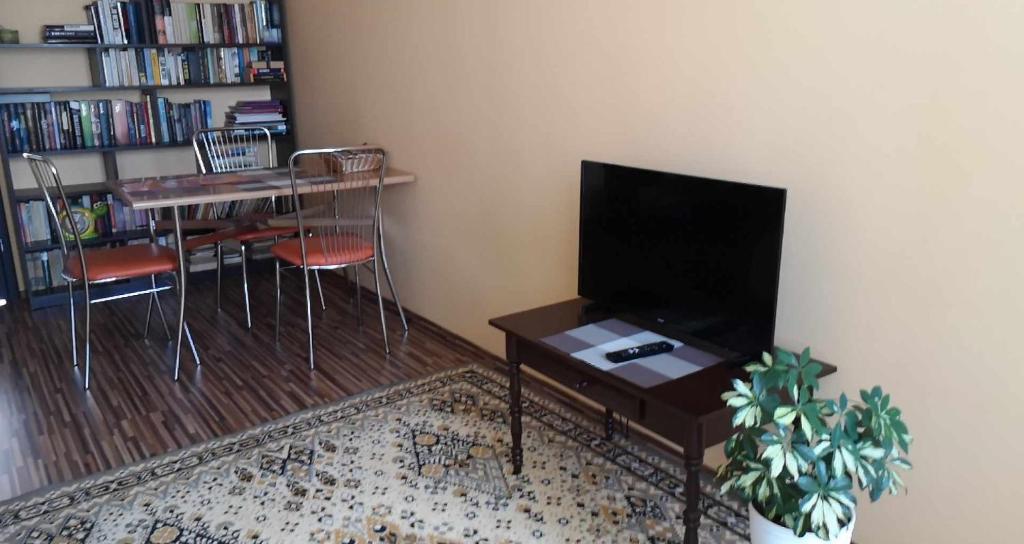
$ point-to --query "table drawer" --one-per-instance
(594, 389)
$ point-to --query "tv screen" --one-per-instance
(700, 256)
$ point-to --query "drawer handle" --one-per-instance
(581, 384)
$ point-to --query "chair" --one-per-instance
(343, 225)
(234, 149)
(105, 265)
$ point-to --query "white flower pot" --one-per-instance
(764, 531)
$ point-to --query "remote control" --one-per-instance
(645, 350)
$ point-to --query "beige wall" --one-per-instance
(895, 125)
(49, 68)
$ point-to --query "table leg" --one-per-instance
(179, 243)
(609, 424)
(693, 461)
(515, 408)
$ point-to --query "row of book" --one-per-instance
(74, 33)
(108, 216)
(269, 114)
(175, 66)
(179, 21)
(80, 124)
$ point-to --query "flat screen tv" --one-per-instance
(698, 256)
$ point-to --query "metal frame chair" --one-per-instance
(344, 225)
(48, 179)
(234, 149)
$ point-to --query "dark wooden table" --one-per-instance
(687, 411)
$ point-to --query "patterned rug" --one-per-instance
(424, 461)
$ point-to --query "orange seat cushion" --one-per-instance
(122, 262)
(340, 249)
(265, 233)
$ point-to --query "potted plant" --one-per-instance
(796, 457)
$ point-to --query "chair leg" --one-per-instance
(154, 297)
(320, 291)
(358, 297)
(380, 304)
(149, 316)
(245, 290)
(192, 346)
(220, 265)
(391, 283)
(71, 323)
(88, 330)
(277, 300)
(309, 317)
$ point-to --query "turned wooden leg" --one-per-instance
(609, 424)
(515, 408)
(693, 461)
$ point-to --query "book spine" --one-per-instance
(169, 22)
(5, 118)
(151, 121)
(162, 113)
(115, 21)
(158, 21)
(87, 136)
(98, 134)
(104, 123)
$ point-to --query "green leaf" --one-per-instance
(784, 415)
(742, 387)
(786, 358)
(792, 464)
(805, 356)
(807, 484)
(737, 401)
(807, 502)
(806, 453)
(740, 415)
(831, 519)
(821, 471)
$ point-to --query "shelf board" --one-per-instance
(135, 45)
(122, 236)
(17, 154)
(82, 89)
(78, 189)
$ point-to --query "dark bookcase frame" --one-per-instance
(42, 298)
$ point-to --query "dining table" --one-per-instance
(173, 192)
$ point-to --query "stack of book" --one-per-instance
(69, 34)
(80, 124)
(179, 22)
(175, 66)
(266, 71)
(269, 114)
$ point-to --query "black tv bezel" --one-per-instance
(659, 324)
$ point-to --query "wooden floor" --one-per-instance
(52, 431)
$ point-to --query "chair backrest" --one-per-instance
(336, 195)
(230, 149)
(56, 199)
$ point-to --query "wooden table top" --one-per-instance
(697, 394)
(187, 189)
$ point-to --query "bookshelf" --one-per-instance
(45, 296)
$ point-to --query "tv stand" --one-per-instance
(687, 411)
